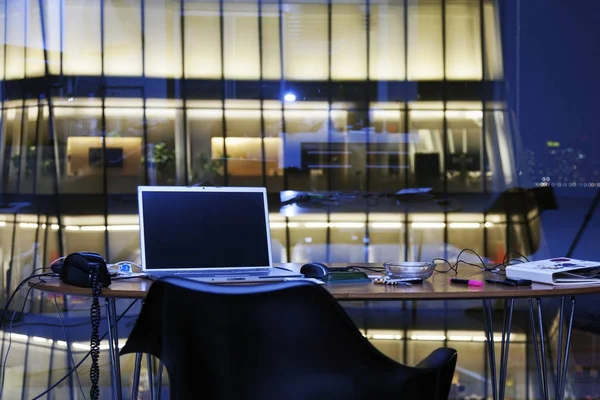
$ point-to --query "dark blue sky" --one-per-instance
(560, 100)
(560, 70)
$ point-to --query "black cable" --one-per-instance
(505, 260)
(95, 339)
(5, 310)
(450, 266)
(10, 336)
(21, 324)
(10, 345)
(494, 269)
(45, 392)
(68, 348)
(19, 286)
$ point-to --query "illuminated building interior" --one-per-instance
(349, 96)
(394, 94)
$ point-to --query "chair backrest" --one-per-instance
(274, 341)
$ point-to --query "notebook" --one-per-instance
(210, 234)
(557, 271)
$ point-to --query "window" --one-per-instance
(202, 40)
(162, 39)
(463, 40)
(205, 124)
(240, 35)
(386, 41)
(305, 31)
(348, 40)
(122, 38)
(425, 45)
(82, 40)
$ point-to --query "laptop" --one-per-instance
(210, 234)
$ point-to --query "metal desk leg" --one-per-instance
(159, 380)
(536, 347)
(562, 373)
(498, 381)
(113, 343)
(135, 387)
(562, 356)
(150, 366)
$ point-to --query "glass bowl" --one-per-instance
(408, 269)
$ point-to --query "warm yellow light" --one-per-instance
(275, 225)
(316, 225)
(428, 337)
(348, 225)
(386, 114)
(98, 228)
(428, 225)
(384, 337)
(464, 225)
(386, 225)
(460, 338)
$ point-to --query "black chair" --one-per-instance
(281, 341)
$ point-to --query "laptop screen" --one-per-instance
(212, 228)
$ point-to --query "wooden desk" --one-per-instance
(437, 287)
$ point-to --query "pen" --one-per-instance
(499, 282)
(469, 282)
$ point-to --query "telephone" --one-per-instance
(83, 268)
(88, 269)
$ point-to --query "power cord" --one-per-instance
(494, 269)
(74, 369)
(19, 286)
(5, 310)
(95, 339)
(95, 316)
(5, 360)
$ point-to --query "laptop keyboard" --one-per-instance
(227, 273)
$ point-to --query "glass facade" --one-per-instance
(362, 97)
(359, 99)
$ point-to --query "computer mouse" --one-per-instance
(56, 266)
(314, 270)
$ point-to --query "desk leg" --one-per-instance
(136, 376)
(498, 381)
(113, 343)
(159, 380)
(150, 367)
(562, 356)
(541, 371)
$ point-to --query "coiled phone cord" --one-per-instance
(95, 338)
